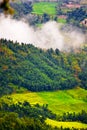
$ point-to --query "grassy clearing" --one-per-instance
(44, 7)
(66, 124)
(66, 101)
(59, 102)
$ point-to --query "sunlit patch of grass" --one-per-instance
(70, 125)
(44, 7)
(31, 97)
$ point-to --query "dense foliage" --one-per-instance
(81, 117)
(37, 70)
(26, 117)
(11, 121)
(25, 109)
(77, 15)
(22, 8)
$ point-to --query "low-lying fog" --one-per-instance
(49, 35)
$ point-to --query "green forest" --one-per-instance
(37, 70)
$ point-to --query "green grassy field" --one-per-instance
(59, 102)
(44, 7)
(70, 125)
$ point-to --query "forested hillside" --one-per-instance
(37, 70)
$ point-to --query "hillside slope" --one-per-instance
(37, 70)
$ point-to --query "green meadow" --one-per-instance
(73, 100)
(44, 7)
(70, 125)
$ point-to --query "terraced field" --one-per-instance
(73, 100)
(70, 125)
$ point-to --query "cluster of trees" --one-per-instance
(81, 117)
(11, 121)
(34, 19)
(77, 15)
(38, 70)
(26, 117)
(25, 109)
(21, 9)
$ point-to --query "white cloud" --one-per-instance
(48, 36)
